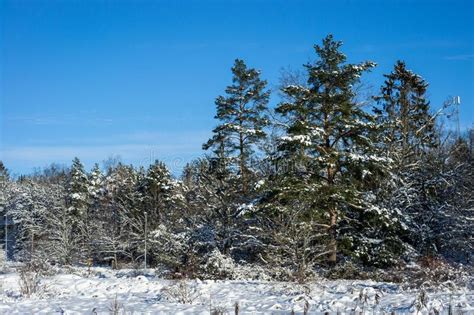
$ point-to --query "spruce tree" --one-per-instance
(158, 191)
(411, 140)
(78, 205)
(4, 174)
(77, 188)
(96, 208)
(96, 181)
(329, 138)
(242, 118)
(405, 112)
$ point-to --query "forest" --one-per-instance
(334, 181)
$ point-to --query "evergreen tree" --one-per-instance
(411, 140)
(242, 119)
(218, 218)
(329, 139)
(95, 210)
(96, 182)
(78, 205)
(158, 191)
(4, 175)
(77, 188)
(405, 112)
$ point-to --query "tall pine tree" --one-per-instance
(242, 119)
(329, 136)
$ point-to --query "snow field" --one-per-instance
(104, 291)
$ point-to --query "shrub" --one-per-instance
(181, 292)
(29, 282)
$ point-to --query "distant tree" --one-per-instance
(405, 112)
(471, 142)
(96, 208)
(77, 203)
(54, 174)
(4, 184)
(29, 205)
(4, 174)
(158, 192)
(96, 182)
(77, 188)
(122, 216)
(63, 243)
(111, 162)
(219, 220)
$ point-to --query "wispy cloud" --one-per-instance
(175, 155)
(65, 120)
(81, 119)
(52, 153)
(139, 148)
(422, 44)
(464, 57)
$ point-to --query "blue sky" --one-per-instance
(139, 78)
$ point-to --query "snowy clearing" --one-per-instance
(104, 291)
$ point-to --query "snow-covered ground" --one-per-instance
(103, 291)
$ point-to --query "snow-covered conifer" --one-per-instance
(328, 147)
(242, 117)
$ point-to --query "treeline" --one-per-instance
(327, 176)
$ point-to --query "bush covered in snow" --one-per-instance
(219, 266)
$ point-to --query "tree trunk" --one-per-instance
(332, 233)
(242, 164)
(333, 220)
(32, 249)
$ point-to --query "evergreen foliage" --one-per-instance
(329, 139)
(242, 117)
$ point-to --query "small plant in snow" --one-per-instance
(220, 266)
(421, 301)
(306, 307)
(115, 306)
(362, 301)
(29, 282)
(378, 296)
(218, 310)
(181, 292)
(450, 307)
